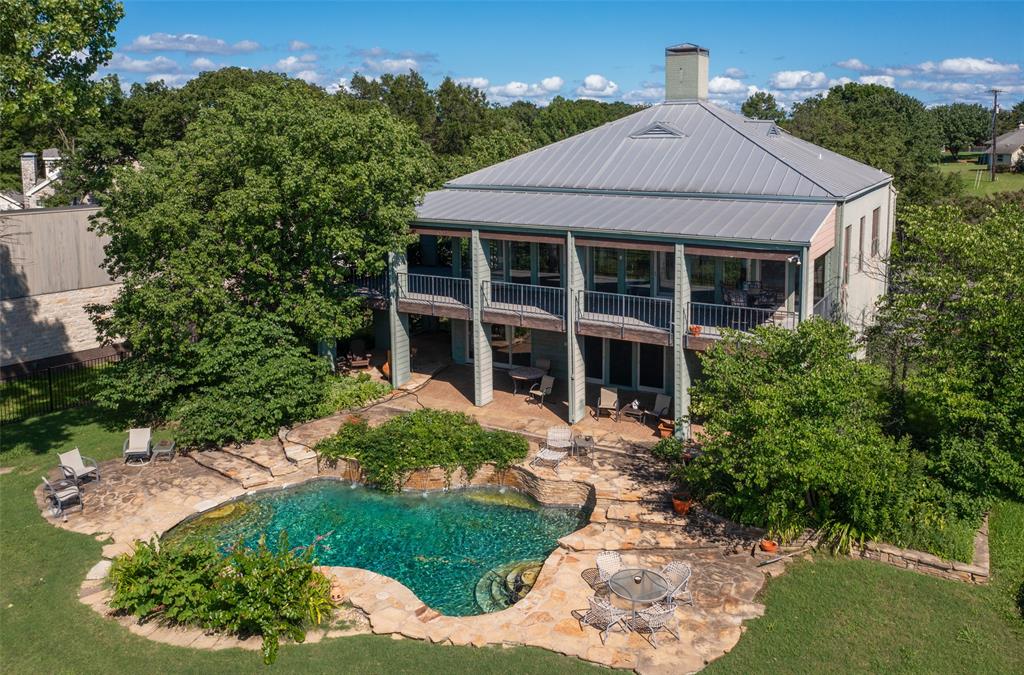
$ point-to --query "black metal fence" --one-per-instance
(49, 389)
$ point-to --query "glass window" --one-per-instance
(666, 273)
(496, 259)
(638, 272)
(519, 262)
(734, 272)
(549, 264)
(860, 248)
(702, 273)
(876, 219)
(819, 278)
(620, 363)
(846, 254)
(500, 347)
(651, 372)
(773, 275)
(593, 357)
(606, 270)
(522, 346)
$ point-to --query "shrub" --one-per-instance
(422, 439)
(346, 392)
(258, 591)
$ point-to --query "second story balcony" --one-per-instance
(624, 317)
(433, 295)
(527, 305)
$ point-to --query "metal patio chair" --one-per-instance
(540, 390)
(678, 574)
(61, 495)
(608, 563)
(608, 401)
(555, 448)
(138, 446)
(602, 615)
(662, 408)
(75, 467)
(651, 620)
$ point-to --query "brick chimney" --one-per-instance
(686, 72)
(29, 175)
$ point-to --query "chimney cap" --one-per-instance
(686, 48)
(28, 154)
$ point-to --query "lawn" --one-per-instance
(1005, 181)
(851, 614)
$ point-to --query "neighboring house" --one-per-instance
(49, 273)
(1009, 148)
(37, 182)
(618, 253)
(11, 200)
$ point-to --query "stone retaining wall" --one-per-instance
(975, 572)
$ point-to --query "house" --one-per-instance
(617, 254)
(11, 200)
(37, 185)
(1009, 149)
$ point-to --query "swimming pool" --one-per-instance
(462, 552)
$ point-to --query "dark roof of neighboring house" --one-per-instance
(1009, 142)
(51, 153)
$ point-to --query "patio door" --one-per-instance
(620, 363)
(510, 346)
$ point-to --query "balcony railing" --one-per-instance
(826, 308)
(524, 299)
(625, 311)
(713, 318)
(451, 291)
(372, 287)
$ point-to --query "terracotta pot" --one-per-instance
(695, 330)
(385, 370)
(681, 503)
(666, 430)
(768, 546)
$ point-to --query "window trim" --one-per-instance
(847, 237)
(860, 247)
(876, 222)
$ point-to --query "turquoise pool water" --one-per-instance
(441, 545)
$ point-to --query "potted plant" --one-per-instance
(666, 428)
(681, 502)
(694, 330)
(768, 545)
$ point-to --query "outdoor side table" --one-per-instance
(636, 414)
(582, 445)
(639, 586)
(163, 449)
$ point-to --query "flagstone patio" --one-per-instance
(629, 495)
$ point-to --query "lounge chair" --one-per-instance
(650, 620)
(602, 615)
(555, 448)
(75, 467)
(542, 389)
(358, 357)
(662, 408)
(608, 563)
(138, 445)
(678, 574)
(61, 495)
(543, 364)
(609, 401)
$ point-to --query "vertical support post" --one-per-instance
(483, 372)
(574, 280)
(791, 276)
(680, 365)
(806, 283)
(398, 323)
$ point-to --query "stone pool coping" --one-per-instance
(725, 586)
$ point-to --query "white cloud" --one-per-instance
(737, 73)
(854, 64)
(898, 71)
(969, 65)
(189, 42)
(552, 84)
(393, 66)
(725, 85)
(378, 60)
(294, 64)
(159, 64)
(171, 79)
(475, 82)
(311, 76)
(597, 86)
(203, 63)
(341, 84)
(798, 79)
(299, 45)
(946, 87)
(646, 94)
(516, 89)
(884, 80)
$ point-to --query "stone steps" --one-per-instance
(267, 454)
(247, 473)
(296, 453)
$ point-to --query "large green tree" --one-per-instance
(761, 105)
(236, 247)
(407, 95)
(461, 115)
(883, 128)
(962, 125)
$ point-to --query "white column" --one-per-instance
(483, 373)
(398, 324)
(680, 365)
(577, 390)
(806, 284)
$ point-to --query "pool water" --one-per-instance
(445, 546)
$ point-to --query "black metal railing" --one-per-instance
(708, 319)
(625, 311)
(49, 389)
(372, 287)
(524, 299)
(436, 290)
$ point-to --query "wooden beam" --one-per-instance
(778, 256)
(439, 232)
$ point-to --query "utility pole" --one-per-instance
(992, 154)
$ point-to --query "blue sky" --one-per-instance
(937, 51)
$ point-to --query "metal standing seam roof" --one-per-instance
(714, 151)
(1009, 142)
(732, 219)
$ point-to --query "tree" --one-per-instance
(461, 115)
(962, 125)
(506, 140)
(563, 118)
(1008, 120)
(761, 105)
(406, 95)
(880, 127)
(50, 51)
(236, 248)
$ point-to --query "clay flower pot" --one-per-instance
(666, 429)
(768, 546)
(695, 330)
(681, 503)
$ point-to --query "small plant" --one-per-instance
(346, 392)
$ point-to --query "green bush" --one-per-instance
(346, 392)
(422, 439)
(258, 591)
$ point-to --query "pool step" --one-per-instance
(239, 469)
(506, 585)
(267, 454)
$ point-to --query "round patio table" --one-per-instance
(639, 586)
(524, 374)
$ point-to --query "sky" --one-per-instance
(938, 52)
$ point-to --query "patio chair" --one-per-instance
(138, 446)
(358, 357)
(555, 448)
(609, 401)
(678, 574)
(650, 620)
(608, 563)
(62, 495)
(602, 615)
(662, 408)
(542, 389)
(543, 364)
(549, 456)
(75, 467)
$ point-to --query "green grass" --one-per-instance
(1005, 181)
(822, 616)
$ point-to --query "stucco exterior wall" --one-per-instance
(39, 326)
(867, 280)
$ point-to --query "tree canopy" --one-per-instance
(761, 105)
(962, 125)
(236, 247)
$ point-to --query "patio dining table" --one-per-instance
(525, 374)
(639, 586)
